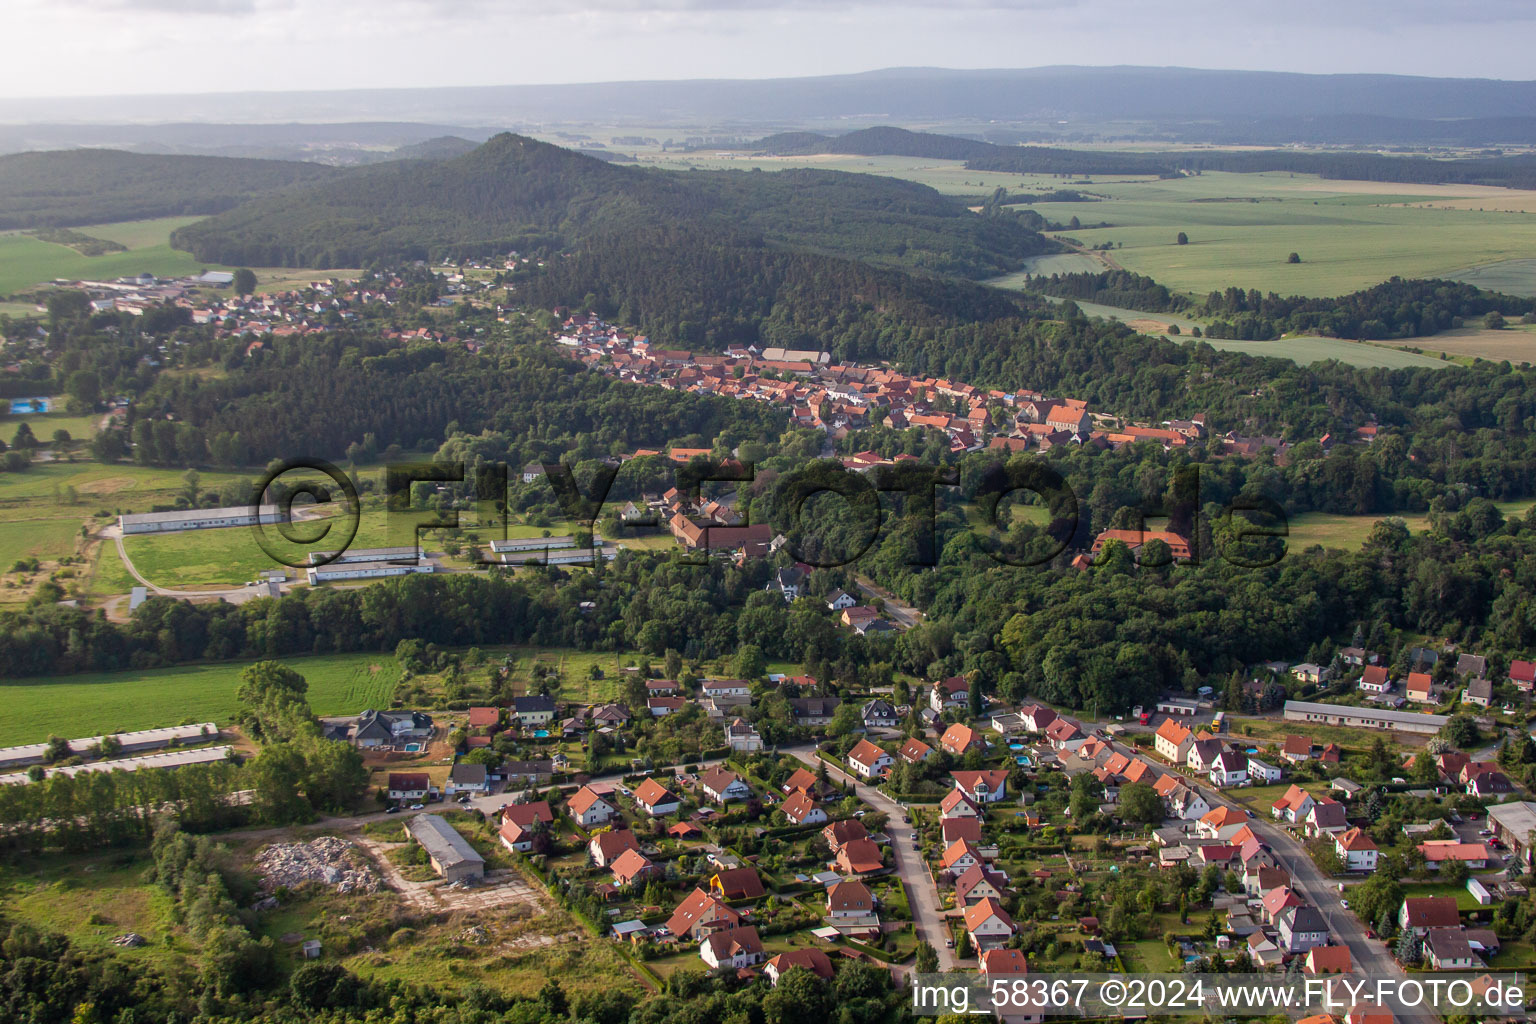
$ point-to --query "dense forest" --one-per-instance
(66, 188)
(1396, 308)
(516, 193)
(1507, 171)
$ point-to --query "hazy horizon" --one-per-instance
(107, 48)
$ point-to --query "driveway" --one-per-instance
(902, 613)
(927, 916)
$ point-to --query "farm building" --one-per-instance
(451, 855)
(408, 554)
(1368, 718)
(199, 519)
(128, 743)
(338, 571)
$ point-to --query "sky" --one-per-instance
(132, 47)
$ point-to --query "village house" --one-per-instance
(982, 787)
(723, 785)
(1356, 850)
(588, 808)
(522, 823)
(949, 694)
(1172, 741)
(732, 947)
(605, 847)
(742, 738)
(800, 809)
(914, 751)
(960, 739)
(988, 925)
(655, 799)
(868, 760)
(698, 914)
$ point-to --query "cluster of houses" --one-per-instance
(839, 398)
(716, 917)
(1418, 686)
(1225, 762)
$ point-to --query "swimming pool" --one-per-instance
(541, 733)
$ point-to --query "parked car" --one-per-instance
(392, 809)
(418, 807)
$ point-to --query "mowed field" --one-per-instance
(1351, 532)
(25, 261)
(85, 705)
(1241, 228)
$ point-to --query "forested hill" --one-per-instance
(64, 188)
(1509, 171)
(517, 193)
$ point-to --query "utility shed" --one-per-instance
(450, 854)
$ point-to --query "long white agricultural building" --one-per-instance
(338, 571)
(198, 519)
(1365, 718)
(132, 743)
(401, 554)
(534, 544)
(169, 759)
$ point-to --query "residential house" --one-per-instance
(838, 601)
(699, 914)
(859, 857)
(813, 960)
(725, 688)
(1217, 819)
(802, 781)
(982, 787)
(988, 925)
(412, 786)
(949, 694)
(978, 883)
(610, 716)
(952, 830)
(1447, 949)
(1328, 960)
(1376, 679)
(878, 713)
(800, 809)
(655, 799)
(1202, 753)
(960, 739)
(588, 808)
(1479, 692)
(1301, 928)
(606, 847)
(1172, 741)
(814, 711)
(1296, 749)
(840, 833)
(1523, 674)
(742, 737)
(392, 730)
(1327, 817)
(959, 857)
(914, 751)
(1229, 769)
(1037, 718)
(1277, 901)
(868, 760)
(521, 824)
(1262, 773)
(956, 804)
(1293, 807)
(1064, 735)
(630, 868)
(1356, 850)
(1474, 665)
(737, 884)
(535, 711)
(1420, 688)
(1179, 799)
(1264, 953)
(467, 778)
(734, 948)
(484, 718)
(723, 785)
(1421, 913)
(659, 706)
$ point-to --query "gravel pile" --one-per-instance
(327, 860)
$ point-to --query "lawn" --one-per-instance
(87, 704)
(46, 539)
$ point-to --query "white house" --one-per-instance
(988, 924)
(732, 947)
(723, 785)
(588, 808)
(655, 799)
(982, 787)
(868, 760)
(1229, 769)
(742, 737)
(1262, 772)
(838, 601)
(1172, 741)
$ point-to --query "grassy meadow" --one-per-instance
(91, 703)
(26, 261)
(1351, 532)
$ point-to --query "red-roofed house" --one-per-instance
(983, 787)
(958, 739)
(868, 760)
(988, 925)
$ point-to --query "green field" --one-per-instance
(1512, 277)
(1306, 350)
(1350, 532)
(1241, 228)
(37, 538)
(84, 705)
(25, 261)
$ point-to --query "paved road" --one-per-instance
(927, 916)
(905, 615)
